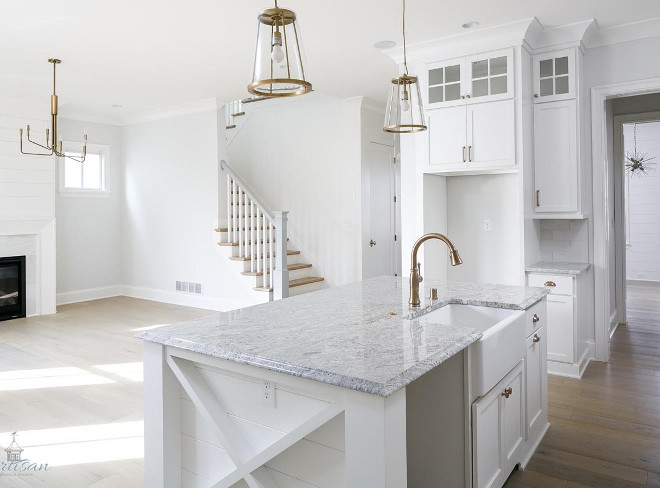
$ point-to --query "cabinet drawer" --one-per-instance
(535, 317)
(563, 284)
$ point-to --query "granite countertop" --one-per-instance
(558, 268)
(360, 336)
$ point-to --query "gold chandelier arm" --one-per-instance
(77, 160)
(36, 144)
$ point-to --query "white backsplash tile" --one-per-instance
(565, 241)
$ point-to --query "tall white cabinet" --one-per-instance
(557, 176)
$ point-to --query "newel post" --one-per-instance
(281, 271)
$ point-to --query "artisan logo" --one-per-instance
(15, 465)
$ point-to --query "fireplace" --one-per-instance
(12, 287)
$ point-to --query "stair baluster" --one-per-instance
(229, 219)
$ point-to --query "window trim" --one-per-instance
(104, 151)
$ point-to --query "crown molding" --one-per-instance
(622, 33)
(209, 104)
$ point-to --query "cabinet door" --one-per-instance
(556, 157)
(444, 84)
(561, 328)
(554, 76)
(536, 384)
(489, 76)
(447, 146)
(491, 134)
(486, 439)
(513, 420)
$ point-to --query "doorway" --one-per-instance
(636, 150)
(380, 214)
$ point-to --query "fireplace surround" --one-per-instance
(12, 287)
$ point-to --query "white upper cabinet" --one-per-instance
(471, 79)
(556, 170)
(447, 138)
(555, 76)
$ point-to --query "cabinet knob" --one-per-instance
(372, 243)
(536, 338)
(507, 393)
(535, 318)
(467, 96)
(550, 283)
(462, 97)
(536, 95)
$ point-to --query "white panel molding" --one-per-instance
(89, 294)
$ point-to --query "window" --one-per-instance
(87, 178)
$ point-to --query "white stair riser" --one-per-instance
(300, 290)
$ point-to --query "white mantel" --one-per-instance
(36, 240)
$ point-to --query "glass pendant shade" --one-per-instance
(279, 59)
(405, 113)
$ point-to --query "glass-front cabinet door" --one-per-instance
(444, 83)
(554, 76)
(490, 76)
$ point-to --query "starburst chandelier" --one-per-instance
(52, 146)
(638, 163)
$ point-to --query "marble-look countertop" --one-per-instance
(360, 336)
(558, 268)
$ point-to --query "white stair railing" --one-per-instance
(260, 235)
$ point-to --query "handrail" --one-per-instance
(248, 191)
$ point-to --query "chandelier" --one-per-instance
(278, 59)
(638, 163)
(404, 113)
(52, 145)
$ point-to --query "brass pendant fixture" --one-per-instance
(405, 112)
(52, 145)
(279, 69)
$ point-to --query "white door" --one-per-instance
(378, 256)
(491, 134)
(447, 138)
(560, 328)
(555, 156)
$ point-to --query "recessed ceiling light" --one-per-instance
(470, 25)
(116, 105)
(384, 44)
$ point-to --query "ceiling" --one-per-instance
(146, 55)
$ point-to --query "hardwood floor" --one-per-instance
(71, 386)
(605, 428)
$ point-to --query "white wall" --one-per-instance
(643, 215)
(304, 156)
(89, 228)
(169, 211)
(488, 257)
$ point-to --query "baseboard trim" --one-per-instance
(184, 299)
(572, 370)
(653, 283)
(89, 294)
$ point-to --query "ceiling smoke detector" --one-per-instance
(384, 44)
(470, 25)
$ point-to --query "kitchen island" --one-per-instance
(342, 387)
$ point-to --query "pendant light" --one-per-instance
(638, 163)
(279, 69)
(405, 113)
(52, 145)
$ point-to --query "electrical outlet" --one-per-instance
(267, 393)
(488, 226)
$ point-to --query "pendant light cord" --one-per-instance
(405, 59)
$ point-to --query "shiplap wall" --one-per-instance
(643, 215)
(565, 241)
(27, 183)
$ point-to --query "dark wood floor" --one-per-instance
(605, 428)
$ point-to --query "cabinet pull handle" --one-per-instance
(470, 153)
(536, 338)
(538, 198)
(507, 393)
(463, 153)
(535, 318)
(549, 283)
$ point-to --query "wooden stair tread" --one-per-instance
(290, 267)
(239, 258)
(294, 283)
(248, 243)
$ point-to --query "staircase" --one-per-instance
(257, 241)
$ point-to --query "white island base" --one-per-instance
(208, 426)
